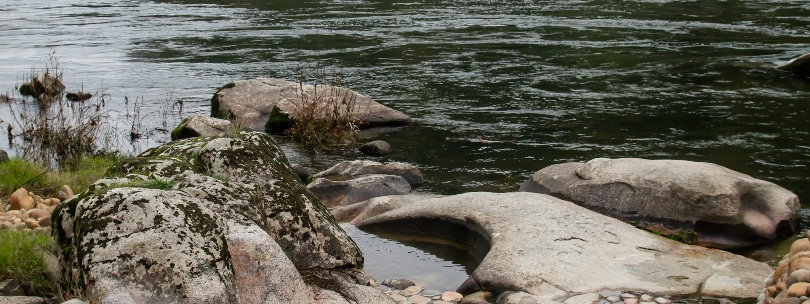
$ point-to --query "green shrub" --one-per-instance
(21, 259)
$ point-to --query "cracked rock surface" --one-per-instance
(207, 220)
(720, 207)
(554, 249)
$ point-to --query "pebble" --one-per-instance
(417, 299)
(65, 193)
(630, 301)
(451, 296)
(413, 290)
(431, 293)
(398, 284)
(646, 298)
(647, 302)
(32, 223)
(37, 213)
(20, 200)
(628, 296)
(45, 222)
(613, 299)
(397, 297)
(476, 298)
(15, 213)
(662, 300)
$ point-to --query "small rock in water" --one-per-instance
(451, 296)
(413, 290)
(662, 300)
(646, 298)
(431, 292)
(385, 289)
(613, 299)
(588, 298)
(78, 96)
(628, 296)
(302, 172)
(631, 301)
(398, 284)
(397, 297)
(376, 148)
(417, 299)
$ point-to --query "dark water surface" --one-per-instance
(497, 89)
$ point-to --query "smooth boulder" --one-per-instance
(552, 248)
(200, 126)
(341, 193)
(207, 220)
(347, 170)
(252, 101)
(721, 208)
(799, 66)
(376, 148)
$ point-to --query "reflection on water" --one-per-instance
(497, 89)
(441, 266)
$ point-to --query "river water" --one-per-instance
(497, 89)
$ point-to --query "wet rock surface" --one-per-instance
(376, 148)
(200, 125)
(215, 220)
(521, 232)
(252, 101)
(717, 207)
(799, 66)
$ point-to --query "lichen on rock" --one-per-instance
(156, 227)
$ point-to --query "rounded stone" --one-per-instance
(53, 201)
(628, 296)
(646, 298)
(398, 284)
(413, 290)
(662, 300)
(397, 297)
(798, 289)
(15, 213)
(37, 213)
(65, 193)
(45, 221)
(613, 299)
(384, 289)
(431, 292)
(417, 299)
(31, 223)
(20, 200)
(451, 296)
(376, 148)
(630, 301)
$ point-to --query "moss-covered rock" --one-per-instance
(126, 239)
(278, 122)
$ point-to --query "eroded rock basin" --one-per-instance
(432, 262)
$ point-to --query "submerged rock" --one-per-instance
(252, 101)
(551, 249)
(799, 66)
(376, 148)
(200, 125)
(208, 220)
(723, 208)
(78, 96)
(351, 169)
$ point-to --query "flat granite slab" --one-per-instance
(552, 248)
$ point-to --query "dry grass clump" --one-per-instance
(324, 110)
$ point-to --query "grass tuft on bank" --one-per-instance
(18, 173)
(21, 259)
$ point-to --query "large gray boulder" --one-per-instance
(718, 207)
(799, 66)
(207, 220)
(347, 170)
(200, 125)
(552, 249)
(252, 101)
